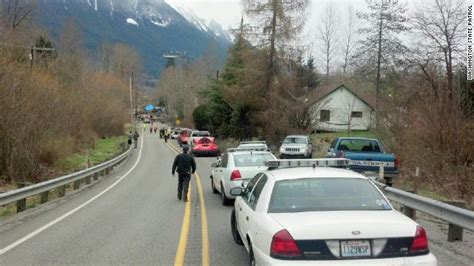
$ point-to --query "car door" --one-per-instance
(221, 171)
(246, 207)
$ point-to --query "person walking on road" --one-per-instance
(135, 138)
(130, 138)
(185, 165)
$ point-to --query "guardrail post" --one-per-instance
(107, 171)
(454, 231)
(21, 204)
(409, 211)
(62, 191)
(76, 184)
(44, 197)
(87, 180)
(96, 176)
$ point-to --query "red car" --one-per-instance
(184, 137)
(205, 147)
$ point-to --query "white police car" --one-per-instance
(297, 212)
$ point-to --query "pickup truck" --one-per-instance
(365, 155)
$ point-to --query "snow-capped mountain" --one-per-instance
(153, 27)
(209, 26)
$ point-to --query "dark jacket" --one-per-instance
(184, 163)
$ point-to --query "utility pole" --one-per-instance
(136, 99)
(131, 104)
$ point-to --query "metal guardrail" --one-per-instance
(454, 215)
(43, 187)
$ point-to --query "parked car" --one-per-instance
(205, 147)
(307, 215)
(176, 133)
(253, 145)
(184, 137)
(366, 155)
(196, 134)
(234, 167)
(296, 146)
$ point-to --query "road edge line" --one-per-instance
(64, 216)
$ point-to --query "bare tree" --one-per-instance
(282, 21)
(381, 46)
(348, 39)
(440, 26)
(327, 35)
(16, 12)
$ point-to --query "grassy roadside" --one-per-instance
(104, 150)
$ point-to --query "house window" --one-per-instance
(356, 114)
(324, 115)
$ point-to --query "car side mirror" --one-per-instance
(237, 191)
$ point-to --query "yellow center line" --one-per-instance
(183, 239)
(204, 224)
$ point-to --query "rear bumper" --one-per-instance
(426, 260)
(206, 153)
(291, 156)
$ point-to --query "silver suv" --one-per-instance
(296, 146)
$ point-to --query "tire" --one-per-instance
(225, 200)
(235, 232)
(214, 190)
(251, 256)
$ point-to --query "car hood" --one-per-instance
(342, 224)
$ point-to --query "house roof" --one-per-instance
(320, 92)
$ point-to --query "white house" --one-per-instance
(338, 108)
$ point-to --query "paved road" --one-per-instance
(137, 220)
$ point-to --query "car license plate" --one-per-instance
(355, 248)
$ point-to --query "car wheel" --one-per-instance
(225, 200)
(251, 256)
(235, 232)
(214, 190)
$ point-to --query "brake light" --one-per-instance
(235, 175)
(397, 162)
(283, 245)
(420, 243)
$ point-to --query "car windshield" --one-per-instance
(255, 159)
(359, 145)
(326, 194)
(295, 140)
(201, 134)
(204, 141)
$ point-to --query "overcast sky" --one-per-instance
(228, 14)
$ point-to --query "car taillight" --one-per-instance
(235, 175)
(397, 162)
(284, 246)
(420, 243)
